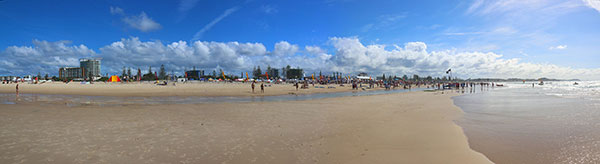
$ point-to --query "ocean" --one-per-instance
(558, 122)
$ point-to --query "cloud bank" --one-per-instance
(346, 54)
(43, 57)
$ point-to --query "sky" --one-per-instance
(474, 38)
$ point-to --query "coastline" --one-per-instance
(148, 89)
(532, 125)
(415, 127)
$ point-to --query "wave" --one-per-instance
(567, 89)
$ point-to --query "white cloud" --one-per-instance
(314, 49)
(559, 47)
(43, 56)
(353, 56)
(186, 5)
(208, 26)
(350, 56)
(140, 22)
(384, 22)
(318, 53)
(178, 55)
(595, 4)
(476, 4)
(284, 48)
(116, 11)
(269, 9)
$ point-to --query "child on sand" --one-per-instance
(17, 89)
(253, 87)
(262, 87)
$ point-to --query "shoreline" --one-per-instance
(511, 126)
(201, 89)
(414, 127)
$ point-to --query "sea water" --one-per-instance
(557, 122)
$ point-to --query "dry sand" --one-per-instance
(180, 89)
(414, 127)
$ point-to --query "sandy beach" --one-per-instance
(179, 89)
(414, 127)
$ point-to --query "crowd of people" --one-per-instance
(364, 84)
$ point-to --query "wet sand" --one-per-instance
(415, 127)
(179, 89)
(524, 125)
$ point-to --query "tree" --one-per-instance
(273, 73)
(46, 77)
(123, 74)
(162, 74)
(383, 77)
(294, 73)
(149, 76)
(222, 73)
(404, 77)
(269, 71)
(39, 76)
(129, 72)
(415, 77)
(257, 72)
(320, 74)
(214, 74)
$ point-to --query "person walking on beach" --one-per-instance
(296, 85)
(253, 87)
(262, 87)
(17, 89)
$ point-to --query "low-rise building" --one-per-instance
(8, 78)
(88, 69)
(70, 73)
(194, 74)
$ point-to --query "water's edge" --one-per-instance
(462, 128)
(78, 100)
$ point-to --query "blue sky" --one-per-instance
(550, 38)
